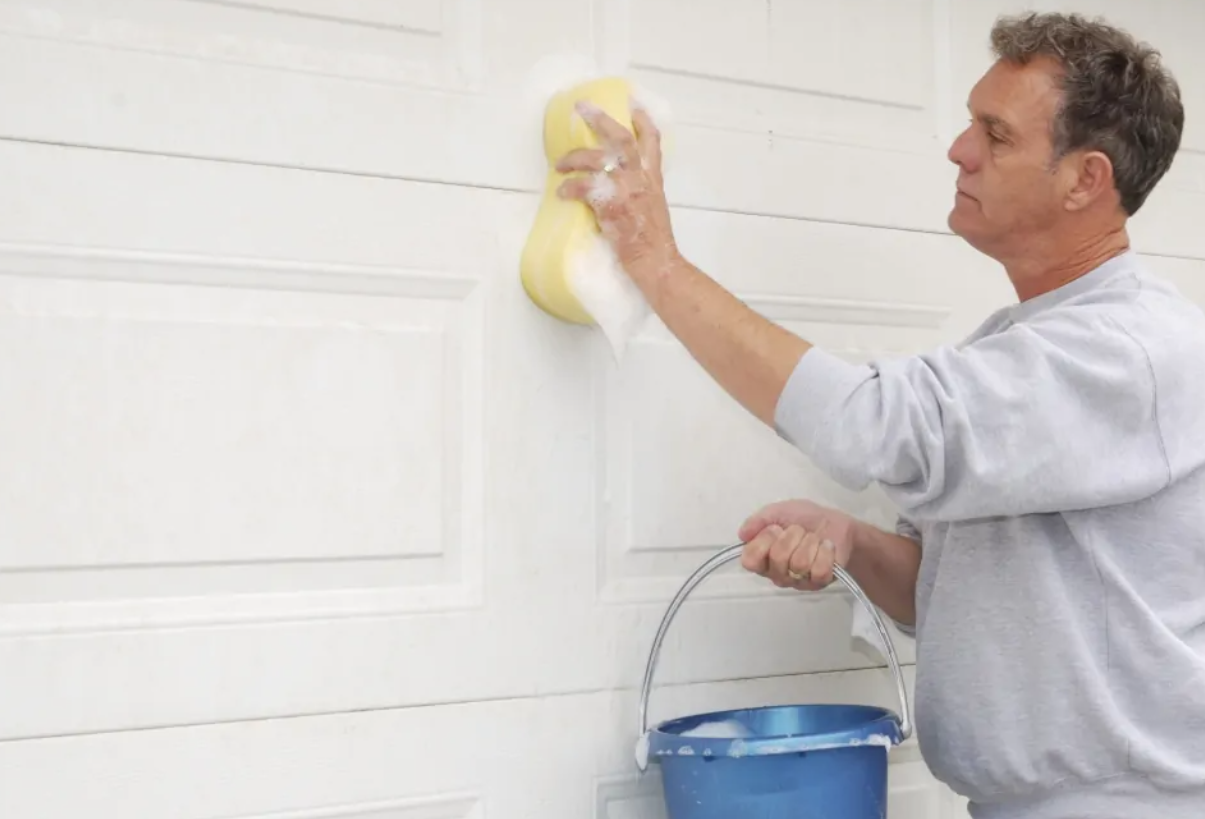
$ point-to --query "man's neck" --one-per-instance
(1049, 268)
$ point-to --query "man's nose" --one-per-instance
(962, 151)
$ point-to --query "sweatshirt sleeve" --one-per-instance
(1053, 415)
(906, 528)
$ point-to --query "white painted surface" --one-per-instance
(308, 512)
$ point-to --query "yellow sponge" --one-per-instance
(565, 230)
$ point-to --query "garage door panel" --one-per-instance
(164, 216)
(554, 756)
(426, 43)
(196, 106)
(159, 429)
(806, 57)
(831, 181)
(219, 386)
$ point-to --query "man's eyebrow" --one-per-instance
(994, 122)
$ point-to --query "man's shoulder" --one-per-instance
(1166, 331)
(1150, 311)
(1159, 318)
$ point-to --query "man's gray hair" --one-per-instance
(1117, 97)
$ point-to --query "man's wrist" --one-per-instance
(863, 537)
(651, 269)
(857, 536)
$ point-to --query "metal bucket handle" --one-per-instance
(732, 553)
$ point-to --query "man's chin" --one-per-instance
(964, 228)
(956, 222)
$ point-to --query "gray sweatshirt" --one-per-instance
(1051, 467)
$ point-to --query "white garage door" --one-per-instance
(306, 511)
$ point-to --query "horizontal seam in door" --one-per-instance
(257, 164)
(432, 704)
(434, 181)
(500, 188)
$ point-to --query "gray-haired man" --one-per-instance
(1049, 469)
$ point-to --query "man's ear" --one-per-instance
(1093, 179)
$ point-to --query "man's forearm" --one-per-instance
(752, 358)
(886, 565)
(746, 354)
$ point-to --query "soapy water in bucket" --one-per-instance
(716, 729)
(726, 729)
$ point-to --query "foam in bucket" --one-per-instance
(776, 762)
(725, 729)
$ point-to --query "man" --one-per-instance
(1051, 548)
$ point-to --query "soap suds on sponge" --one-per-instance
(551, 75)
(599, 282)
(592, 273)
(658, 109)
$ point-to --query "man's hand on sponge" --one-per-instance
(624, 188)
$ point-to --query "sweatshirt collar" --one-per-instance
(1124, 263)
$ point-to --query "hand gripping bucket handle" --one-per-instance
(733, 553)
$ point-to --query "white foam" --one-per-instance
(550, 76)
(599, 282)
(725, 729)
(602, 190)
(642, 751)
(662, 115)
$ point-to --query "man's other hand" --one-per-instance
(796, 543)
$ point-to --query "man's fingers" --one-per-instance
(800, 567)
(822, 563)
(780, 554)
(648, 138)
(577, 188)
(797, 556)
(752, 527)
(590, 160)
(609, 131)
(821, 572)
(755, 556)
(779, 513)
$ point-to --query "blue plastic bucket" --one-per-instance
(815, 761)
